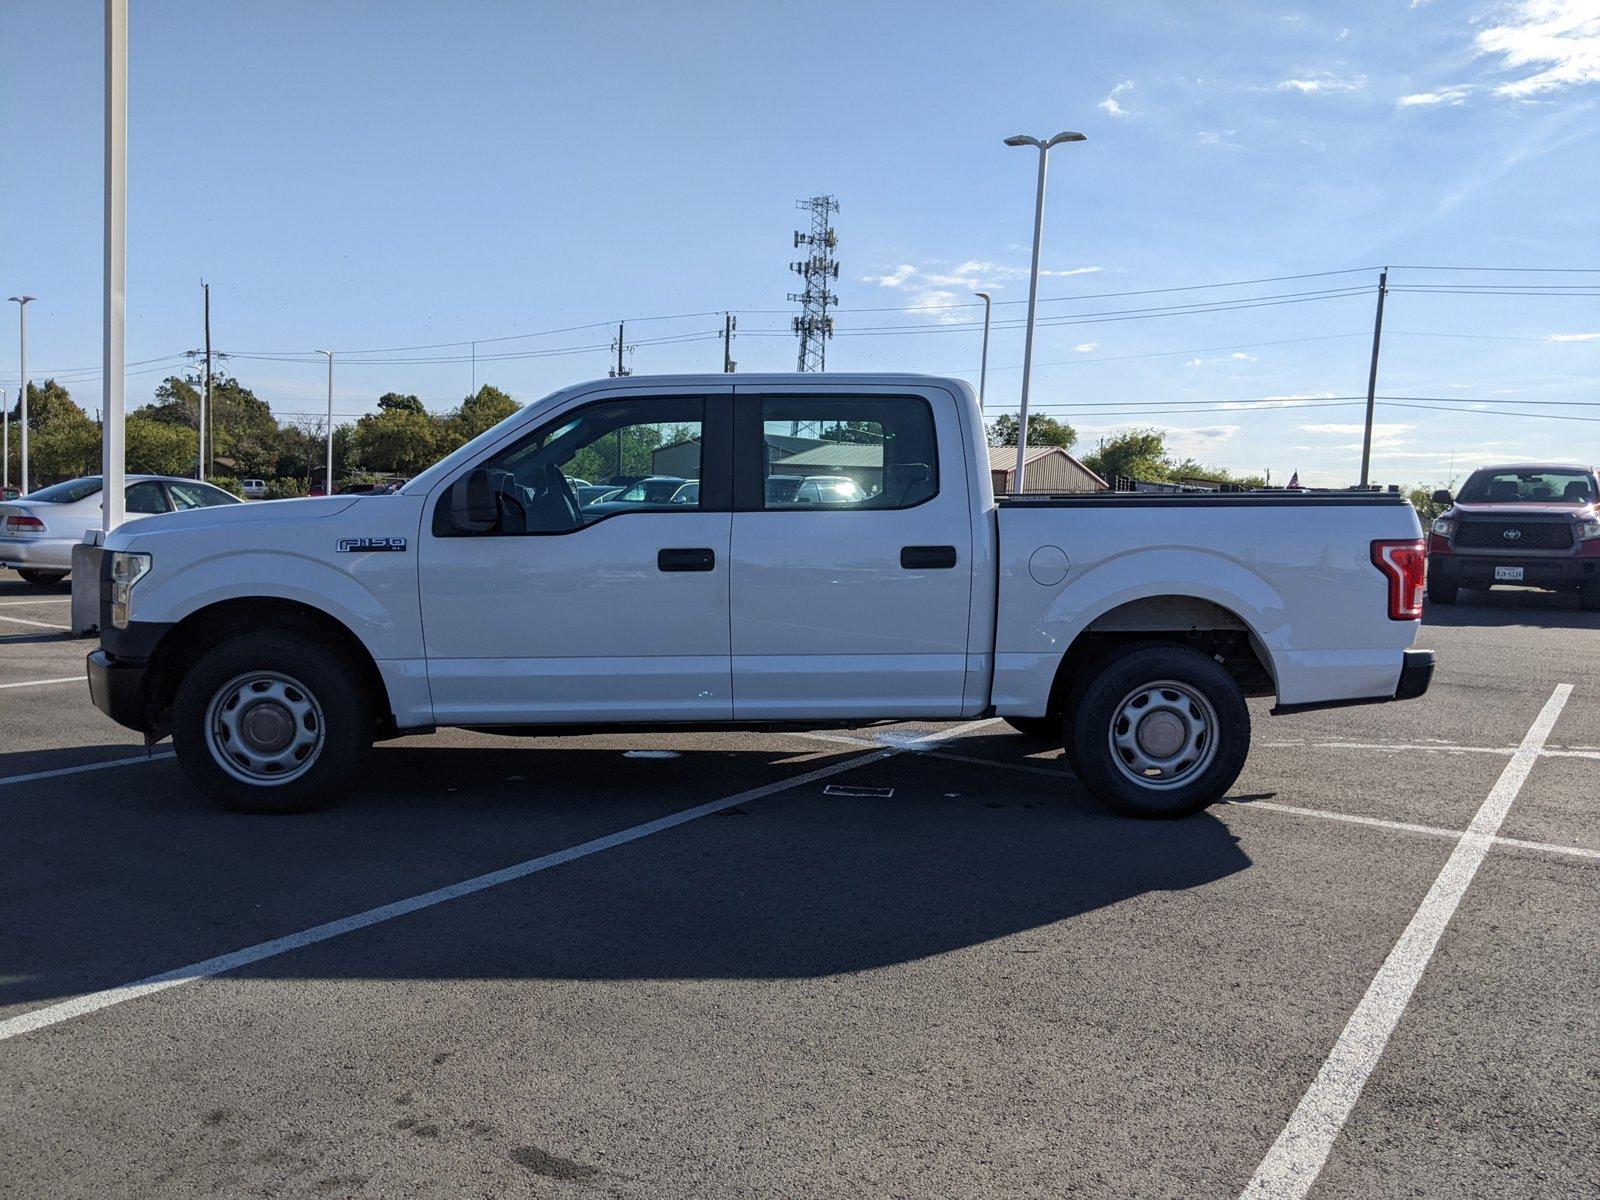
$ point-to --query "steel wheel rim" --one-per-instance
(265, 728)
(1163, 735)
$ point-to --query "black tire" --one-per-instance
(1203, 708)
(1038, 729)
(321, 699)
(1589, 598)
(1440, 592)
(41, 578)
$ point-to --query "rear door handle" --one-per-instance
(697, 558)
(927, 558)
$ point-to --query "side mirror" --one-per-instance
(1442, 496)
(474, 507)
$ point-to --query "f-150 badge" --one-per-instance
(363, 544)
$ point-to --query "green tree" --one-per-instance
(1043, 430)
(1136, 453)
(158, 448)
(486, 407)
(1422, 500)
(400, 402)
(63, 441)
(395, 440)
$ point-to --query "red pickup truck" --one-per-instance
(1530, 525)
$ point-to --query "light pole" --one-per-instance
(983, 367)
(5, 454)
(327, 487)
(113, 428)
(22, 324)
(1023, 139)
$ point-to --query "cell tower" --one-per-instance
(819, 269)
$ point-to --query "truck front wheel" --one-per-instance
(1160, 732)
(269, 722)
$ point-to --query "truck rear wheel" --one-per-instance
(271, 722)
(1160, 732)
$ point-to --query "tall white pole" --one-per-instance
(983, 366)
(1033, 303)
(22, 386)
(327, 489)
(5, 454)
(113, 443)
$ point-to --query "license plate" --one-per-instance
(1508, 574)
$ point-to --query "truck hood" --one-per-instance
(1526, 508)
(277, 513)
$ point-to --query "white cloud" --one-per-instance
(1296, 401)
(931, 292)
(1110, 106)
(1453, 96)
(1323, 83)
(1573, 337)
(1195, 362)
(1239, 356)
(1085, 347)
(1379, 429)
(1559, 37)
(1216, 137)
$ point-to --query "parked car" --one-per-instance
(253, 489)
(274, 643)
(38, 531)
(653, 490)
(593, 493)
(810, 491)
(1522, 524)
(689, 493)
(10, 492)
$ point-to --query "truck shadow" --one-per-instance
(1482, 608)
(800, 884)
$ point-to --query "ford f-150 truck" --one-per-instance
(276, 641)
(1526, 525)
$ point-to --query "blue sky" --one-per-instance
(365, 176)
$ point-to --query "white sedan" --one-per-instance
(38, 531)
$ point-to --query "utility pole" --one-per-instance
(205, 399)
(983, 367)
(22, 388)
(619, 371)
(327, 488)
(819, 268)
(729, 324)
(1372, 376)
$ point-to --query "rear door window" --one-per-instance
(832, 453)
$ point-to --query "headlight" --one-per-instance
(1589, 529)
(1444, 526)
(126, 570)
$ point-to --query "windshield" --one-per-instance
(67, 493)
(1532, 485)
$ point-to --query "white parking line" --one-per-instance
(1297, 1157)
(78, 1006)
(40, 624)
(1409, 827)
(7, 780)
(44, 682)
(40, 600)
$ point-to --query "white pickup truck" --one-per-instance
(276, 641)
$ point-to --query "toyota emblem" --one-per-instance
(1512, 535)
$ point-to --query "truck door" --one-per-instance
(601, 591)
(852, 555)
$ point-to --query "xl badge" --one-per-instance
(364, 544)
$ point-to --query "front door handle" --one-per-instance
(927, 558)
(698, 558)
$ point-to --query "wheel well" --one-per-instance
(1181, 620)
(183, 645)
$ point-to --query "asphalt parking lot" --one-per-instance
(686, 965)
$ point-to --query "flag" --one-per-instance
(1294, 480)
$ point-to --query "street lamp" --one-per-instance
(327, 488)
(5, 454)
(983, 367)
(1023, 139)
(22, 324)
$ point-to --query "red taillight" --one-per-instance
(23, 525)
(1402, 564)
